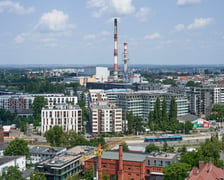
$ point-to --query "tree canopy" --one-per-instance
(12, 174)
(176, 171)
(151, 147)
(36, 175)
(57, 137)
(17, 147)
(135, 123)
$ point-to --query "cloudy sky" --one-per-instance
(81, 31)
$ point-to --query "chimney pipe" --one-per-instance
(115, 50)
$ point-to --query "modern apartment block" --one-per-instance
(105, 118)
(25, 101)
(202, 99)
(60, 167)
(69, 117)
(142, 102)
(16, 102)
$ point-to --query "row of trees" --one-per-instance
(57, 137)
(163, 120)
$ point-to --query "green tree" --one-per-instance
(36, 175)
(135, 123)
(173, 110)
(188, 126)
(192, 157)
(125, 147)
(88, 173)
(176, 171)
(151, 147)
(164, 111)
(157, 111)
(13, 173)
(55, 136)
(17, 147)
(38, 103)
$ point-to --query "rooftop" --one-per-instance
(127, 156)
(59, 161)
(45, 149)
(6, 159)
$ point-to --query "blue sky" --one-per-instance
(81, 31)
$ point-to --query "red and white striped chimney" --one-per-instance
(115, 50)
(125, 57)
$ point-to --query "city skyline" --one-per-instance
(81, 32)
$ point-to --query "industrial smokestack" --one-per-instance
(115, 50)
(125, 62)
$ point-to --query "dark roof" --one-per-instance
(188, 117)
(27, 172)
(137, 157)
(45, 150)
(5, 159)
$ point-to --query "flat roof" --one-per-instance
(127, 156)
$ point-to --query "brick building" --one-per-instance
(127, 166)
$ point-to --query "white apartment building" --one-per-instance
(7, 161)
(102, 74)
(69, 117)
(105, 118)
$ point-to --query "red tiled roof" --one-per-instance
(207, 172)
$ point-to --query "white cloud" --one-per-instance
(187, 2)
(179, 27)
(54, 21)
(116, 7)
(123, 7)
(152, 36)
(105, 33)
(200, 23)
(142, 14)
(19, 39)
(90, 36)
(12, 7)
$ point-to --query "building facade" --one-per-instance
(69, 117)
(60, 167)
(105, 118)
(203, 98)
(16, 161)
(41, 153)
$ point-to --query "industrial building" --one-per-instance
(127, 165)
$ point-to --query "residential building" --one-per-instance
(155, 162)
(69, 117)
(206, 171)
(142, 102)
(102, 74)
(7, 161)
(203, 98)
(60, 167)
(41, 153)
(105, 118)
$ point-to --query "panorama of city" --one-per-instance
(111, 90)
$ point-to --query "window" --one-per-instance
(148, 162)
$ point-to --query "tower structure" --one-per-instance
(125, 59)
(115, 50)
